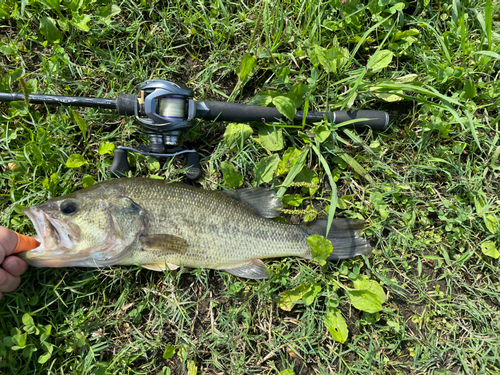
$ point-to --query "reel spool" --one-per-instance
(163, 110)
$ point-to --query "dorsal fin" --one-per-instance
(263, 201)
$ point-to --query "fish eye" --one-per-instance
(69, 207)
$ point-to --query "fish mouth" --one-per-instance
(56, 238)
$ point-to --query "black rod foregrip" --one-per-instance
(76, 101)
(223, 111)
(377, 120)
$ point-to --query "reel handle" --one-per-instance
(119, 167)
(194, 170)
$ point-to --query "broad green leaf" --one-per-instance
(46, 332)
(48, 346)
(297, 167)
(81, 21)
(330, 59)
(18, 108)
(153, 164)
(49, 29)
(81, 124)
(262, 100)
(191, 367)
(489, 249)
(311, 294)
(290, 298)
(365, 300)
(16, 74)
(236, 134)
(32, 85)
(247, 65)
(286, 106)
(43, 358)
(75, 161)
(309, 176)
(33, 149)
(4, 16)
(264, 171)
(106, 148)
(327, 58)
(336, 324)
(322, 132)
(271, 138)
(492, 223)
(321, 248)
(169, 351)
(20, 339)
(105, 13)
(470, 89)
(377, 200)
(88, 181)
(51, 4)
(405, 34)
(380, 60)
(292, 200)
(231, 176)
(28, 351)
(362, 283)
(8, 341)
(296, 93)
(311, 214)
(28, 320)
(397, 8)
(290, 157)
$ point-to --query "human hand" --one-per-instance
(12, 267)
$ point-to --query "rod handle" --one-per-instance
(224, 111)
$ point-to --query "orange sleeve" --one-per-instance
(25, 243)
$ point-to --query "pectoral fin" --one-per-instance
(256, 269)
(162, 242)
(160, 266)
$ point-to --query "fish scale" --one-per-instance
(221, 232)
(159, 225)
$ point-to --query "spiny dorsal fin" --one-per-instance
(256, 269)
(162, 242)
(263, 201)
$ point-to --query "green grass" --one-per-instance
(428, 186)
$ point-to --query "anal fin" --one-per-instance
(160, 266)
(256, 269)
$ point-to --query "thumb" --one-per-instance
(8, 242)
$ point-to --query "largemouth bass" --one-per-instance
(166, 225)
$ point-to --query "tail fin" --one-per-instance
(344, 235)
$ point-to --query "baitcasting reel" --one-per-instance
(165, 109)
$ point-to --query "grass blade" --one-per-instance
(293, 172)
(334, 198)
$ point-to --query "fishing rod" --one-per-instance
(165, 109)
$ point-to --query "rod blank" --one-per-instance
(75, 101)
